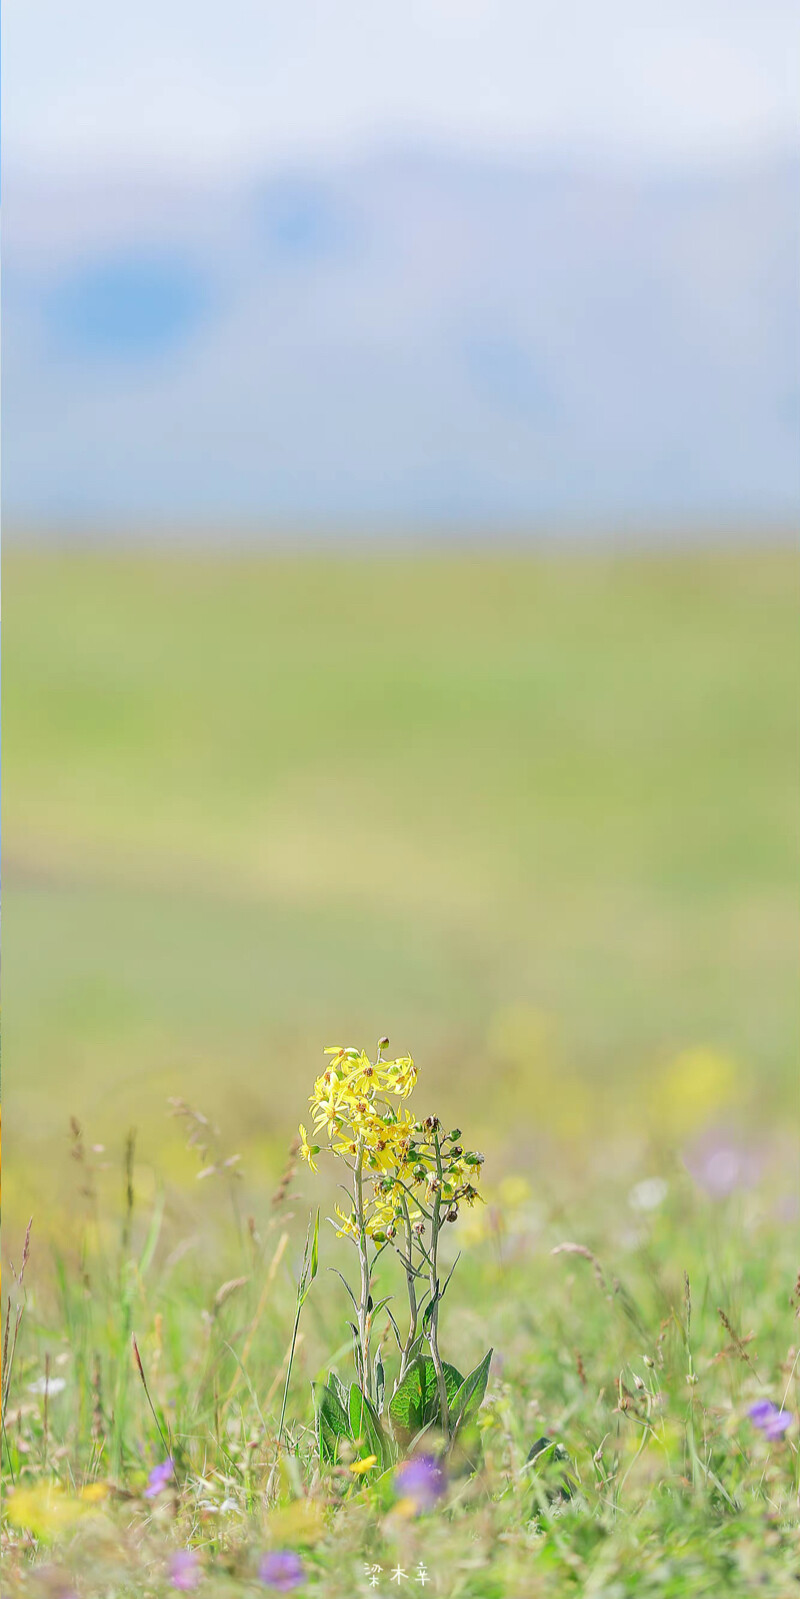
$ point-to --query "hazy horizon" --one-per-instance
(412, 340)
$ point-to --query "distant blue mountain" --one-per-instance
(125, 307)
(412, 339)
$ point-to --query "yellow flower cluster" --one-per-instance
(412, 1164)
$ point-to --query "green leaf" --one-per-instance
(310, 1262)
(153, 1233)
(429, 1309)
(375, 1310)
(469, 1398)
(380, 1382)
(449, 1275)
(547, 1458)
(347, 1286)
(339, 1389)
(315, 1249)
(366, 1428)
(416, 1347)
(415, 1402)
(332, 1420)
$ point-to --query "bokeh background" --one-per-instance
(400, 481)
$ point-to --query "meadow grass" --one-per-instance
(535, 819)
(634, 1354)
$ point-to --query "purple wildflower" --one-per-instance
(421, 1480)
(720, 1163)
(769, 1419)
(184, 1570)
(54, 1583)
(281, 1569)
(159, 1477)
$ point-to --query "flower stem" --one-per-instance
(363, 1302)
(412, 1295)
(433, 1330)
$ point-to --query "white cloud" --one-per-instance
(189, 83)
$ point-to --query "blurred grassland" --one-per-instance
(254, 805)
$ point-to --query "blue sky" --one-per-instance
(433, 261)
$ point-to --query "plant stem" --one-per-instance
(412, 1295)
(363, 1303)
(289, 1364)
(308, 1272)
(433, 1331)
(417, 1201)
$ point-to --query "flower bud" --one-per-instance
(456, 1133)
(383, 1043)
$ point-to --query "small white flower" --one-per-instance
(47, 1385)
(648, 1194)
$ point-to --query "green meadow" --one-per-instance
(257, 805)
(532, 816)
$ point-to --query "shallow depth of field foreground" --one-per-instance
(499, 1296)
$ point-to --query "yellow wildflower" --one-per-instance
(360, 1077)
(308, 1151)
(399, 1075)
(381, 1156)
(513, 1192)
(94, 1492)
(46, 1510)
(348, 1228)
(698, 1085)
(348, 1149)
(328, 1112)
(387, 1215)
(302, 1521)
(360, 1466)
